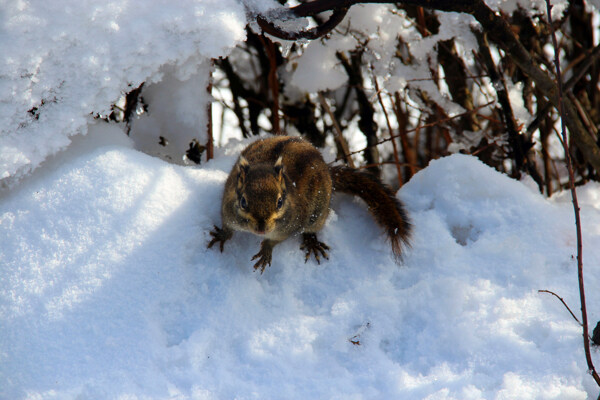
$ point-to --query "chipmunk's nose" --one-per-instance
(260, 227)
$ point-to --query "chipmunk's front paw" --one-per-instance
(264, 257)
(221, 236)
(311, 245)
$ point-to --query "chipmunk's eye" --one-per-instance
(243, 203)
(280, 202)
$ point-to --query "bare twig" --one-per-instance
(567, 87)
(421, 25)
(545, 132)
(408, 150)
(311, 34)
(273, 82)
(586, 339)
(419, 127)
(389, 125)
(585, 118)
(562, 301)
(379, 164)
(237, 90)
(339, 137)
(209, 122)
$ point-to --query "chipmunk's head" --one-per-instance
(261, 195)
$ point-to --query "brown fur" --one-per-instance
(381, 201)
(280, 186)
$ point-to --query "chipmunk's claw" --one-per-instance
(221, 236)
(263, 261)
(264, 257)
(311, 245)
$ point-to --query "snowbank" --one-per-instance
(107, 291)
(64, 60)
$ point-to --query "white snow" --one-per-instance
(177, 113)
(532, 7)
(107, 290)
(64, 60)
(319, 68)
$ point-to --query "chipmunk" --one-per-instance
(280, 186)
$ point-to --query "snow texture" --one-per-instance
(318, 68)
(107, 290)
(64, 60)
(532, 7)
(176, 113)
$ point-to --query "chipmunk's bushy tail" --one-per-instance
(382, 202)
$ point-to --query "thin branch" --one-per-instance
(562, 301)
(237, 89)
(319, 6)
(389, 125)
(547, 161)
(561, 104)
(273, 82)
(447, 78)
(590, 59)
(409, 151)
(379, 164)
(419, 127)
(209, 122)
(585, 118)
(311, 34)
(339, 137)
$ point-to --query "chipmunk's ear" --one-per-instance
(243, 167)
(279, 168)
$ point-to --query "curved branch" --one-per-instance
(315, 7)
(311, 34)
(340, 8)
(562, 301)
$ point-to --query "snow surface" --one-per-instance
(107, 290)
(65, 60)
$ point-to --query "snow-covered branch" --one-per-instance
(491, 22)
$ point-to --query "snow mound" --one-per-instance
(107, 291)
(64, 60)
